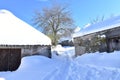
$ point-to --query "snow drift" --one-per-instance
(97, 66)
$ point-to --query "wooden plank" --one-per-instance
(14, 59)
(10, 59)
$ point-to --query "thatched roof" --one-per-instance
(14, 31)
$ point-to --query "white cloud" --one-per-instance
(77, 29)
(2, 78)
(87, 25)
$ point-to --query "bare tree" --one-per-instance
(101, 18)
(55, 22)
(97, 19)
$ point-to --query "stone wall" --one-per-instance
(89, 44)
(96, 45)
(37, 50)
(94, 42)
(27, 50)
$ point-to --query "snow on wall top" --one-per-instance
(103, 25)
(14, 31)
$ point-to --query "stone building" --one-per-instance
(103, 37)
(18, 39)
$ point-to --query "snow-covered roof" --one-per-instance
(14, 31)
(100, 26)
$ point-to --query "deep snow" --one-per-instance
(97, 66)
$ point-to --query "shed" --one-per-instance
(105, 35)
(18, 39)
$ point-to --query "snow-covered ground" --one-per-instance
(97, 66)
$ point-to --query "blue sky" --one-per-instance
(83, 11)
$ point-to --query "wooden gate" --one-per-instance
(10, 59)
